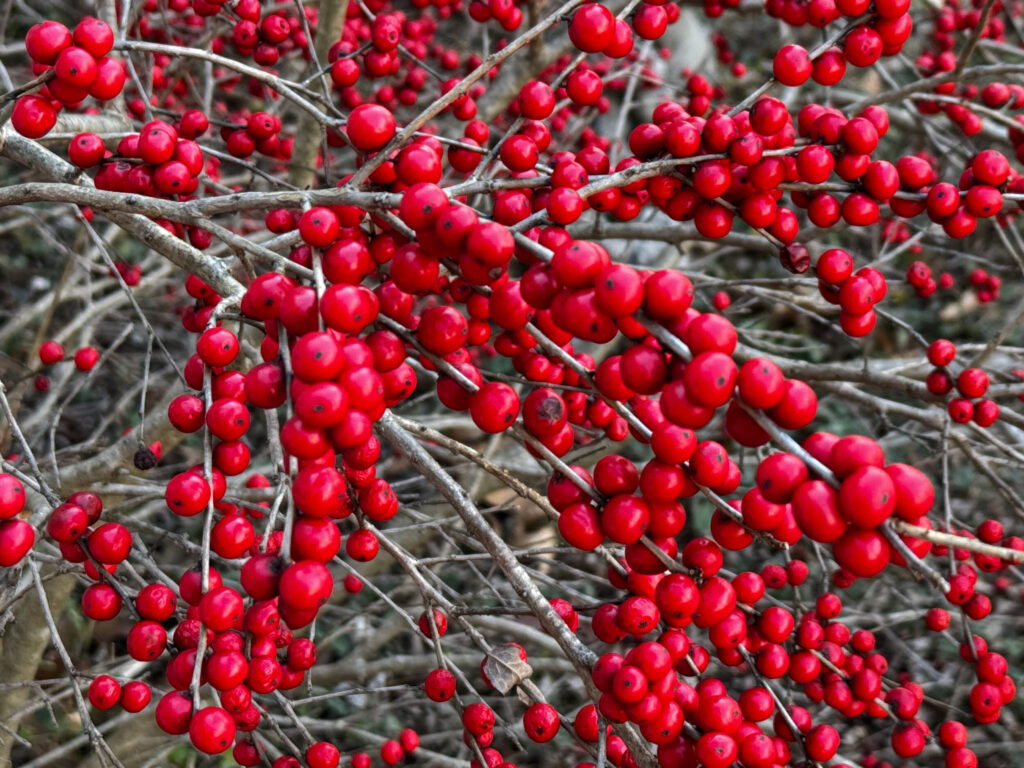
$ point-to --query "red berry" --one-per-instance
(792, 66)
(370, 127)
(592, 28)
(541, 722)
(212, 730)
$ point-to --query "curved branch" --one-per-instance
(215, 273)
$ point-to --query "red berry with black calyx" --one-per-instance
(319, 227)
(86, 150)
(760, 383)
(494, 407)
(46, 40)
(440, 685)
(941, 352)
(76, 67)
(104, 692)
(710, 378)
(541, 722)
(323, 754)
(867, 497)
(834, 266)
(94, 36)
(972, 382)
(212, 730)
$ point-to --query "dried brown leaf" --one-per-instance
(505, 668)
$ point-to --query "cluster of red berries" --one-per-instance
(971, 385)
(594, 28)
(293, 593)
(236, 668)
(340, 385)
(579, 267)
(856, 294)
(831, 663)
(281, 33)
(506, 12)
(834, 666)
(850, 514)
(393, 49)
(954, 21)
(985, 284)
(540, 720)
(256, 132)
(162, 160)
(446, 287)
(883, 33)
(16, 535)
(919, 277)
(954, 102)
(264, 38)
(980, 184)
(392, 751)
(51, 353)
(155, 161)
(964, 588)
(993, 690)
(640, 687)
(700, 92)
(725, 54)
(130, 273)
(688, 401)
(76, 65)
(384, 35)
